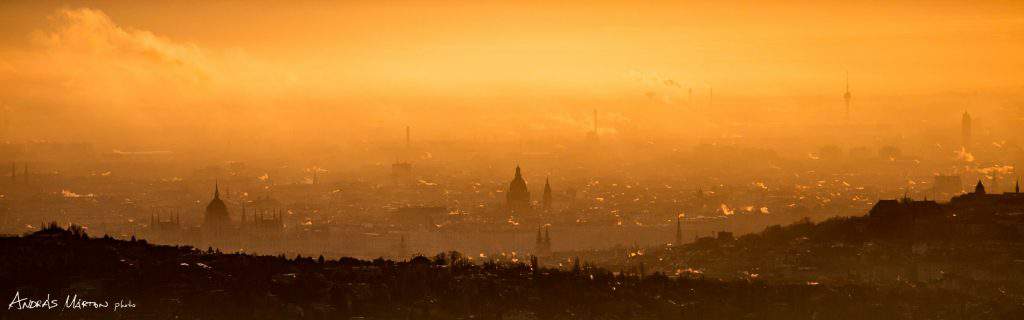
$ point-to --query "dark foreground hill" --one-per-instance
(165, 282)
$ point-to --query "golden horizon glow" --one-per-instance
(277, 63)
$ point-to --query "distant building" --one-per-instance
(401, 172)
(216, 217)
(165, 230)
(158, 223)
(543, 245)
(981, 205)
(267, 221)
(847, 96)
(266, 224)
(975, 213)
(518, 197)
(904, 210)
(547, 194)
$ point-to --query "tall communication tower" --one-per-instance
(847, 96)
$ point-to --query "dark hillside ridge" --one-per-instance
(165, 282)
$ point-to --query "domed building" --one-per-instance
(216, 217)
(518, 196)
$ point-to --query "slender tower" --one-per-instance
(547, 194)
(847, 96)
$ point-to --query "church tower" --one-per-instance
(543, 245)
(518, 196)
(547, 194)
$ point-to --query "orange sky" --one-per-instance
(189, 66)
(452, 49)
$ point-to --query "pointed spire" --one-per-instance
(216, 190)
(979, 188)
(1016, 187)
(547, 199)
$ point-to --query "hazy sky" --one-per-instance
(774, 48)
(213, 57)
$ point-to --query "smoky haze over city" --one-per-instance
(455, 160)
